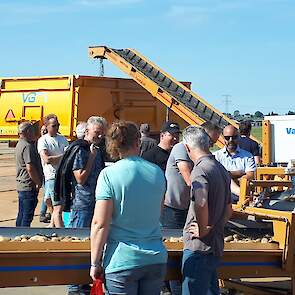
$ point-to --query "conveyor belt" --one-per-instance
(184, 102)
(175, 89)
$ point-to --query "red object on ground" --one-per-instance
(97, 288)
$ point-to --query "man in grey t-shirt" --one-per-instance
(209, 210)
(177, 197)
(28, 174)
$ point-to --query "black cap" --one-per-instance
(170, 127)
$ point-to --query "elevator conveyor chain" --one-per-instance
(179, 94)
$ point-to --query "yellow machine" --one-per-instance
(76, 98)
(152, 96)
(177, 97)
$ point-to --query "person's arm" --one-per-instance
(250, 169)
(50, 159)
(34, 175)
(237, 174)
(28, 157)
(200, 193)
(249, 175)
(235, 189)
(257, 159)
(99, 233)
(185, 169)
(81, 175)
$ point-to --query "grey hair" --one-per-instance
(96, 120)
(81, 129)
(196, 138)
(24, 126)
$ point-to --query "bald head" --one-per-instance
(231, 138)
(230, 130)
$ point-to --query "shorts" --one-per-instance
(49, 192)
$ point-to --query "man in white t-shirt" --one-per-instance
(51, 147)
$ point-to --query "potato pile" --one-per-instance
(173, 240)
(236, 238)
(42, 238)
(240, 239)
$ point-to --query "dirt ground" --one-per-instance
(8, 212)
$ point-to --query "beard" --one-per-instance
(232, 146)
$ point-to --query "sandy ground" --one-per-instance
(8, 212)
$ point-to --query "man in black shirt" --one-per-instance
(246, 143)
(159, 154)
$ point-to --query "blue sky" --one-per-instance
(243, 48)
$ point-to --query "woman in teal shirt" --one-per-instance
(129, 194)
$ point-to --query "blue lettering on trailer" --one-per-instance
(290, 130)
(32, 97)
(29, 97)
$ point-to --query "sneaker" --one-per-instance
(44, 218)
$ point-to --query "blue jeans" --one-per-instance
(173, 218)
(146, 280)
(80, 219)
(27, 202)
(199, 273)
(43, 208)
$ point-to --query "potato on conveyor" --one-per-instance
(264, 240)
(228, 239)
(4, 239)
(38, 238)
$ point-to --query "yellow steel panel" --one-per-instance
(35, 83)
(266, 142)
(33, 105)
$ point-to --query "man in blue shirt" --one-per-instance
(87, 165)
(248, 144)
(238, 162)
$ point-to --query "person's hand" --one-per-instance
(197, 232)
(93, 150)
(96, 272)
(38, 187)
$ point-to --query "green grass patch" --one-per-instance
(257, 132)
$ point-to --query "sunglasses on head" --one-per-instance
(233, 137)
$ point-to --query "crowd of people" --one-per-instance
(149, 186)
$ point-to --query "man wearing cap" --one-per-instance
(146, 142)
(28, 174)
(159, 154)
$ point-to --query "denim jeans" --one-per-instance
(27, 202)
(80, 219)
(146, 280)
(173, 218)
(43, 208)
(199, 273)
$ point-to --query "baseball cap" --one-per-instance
(170, 127)
(144, 128)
